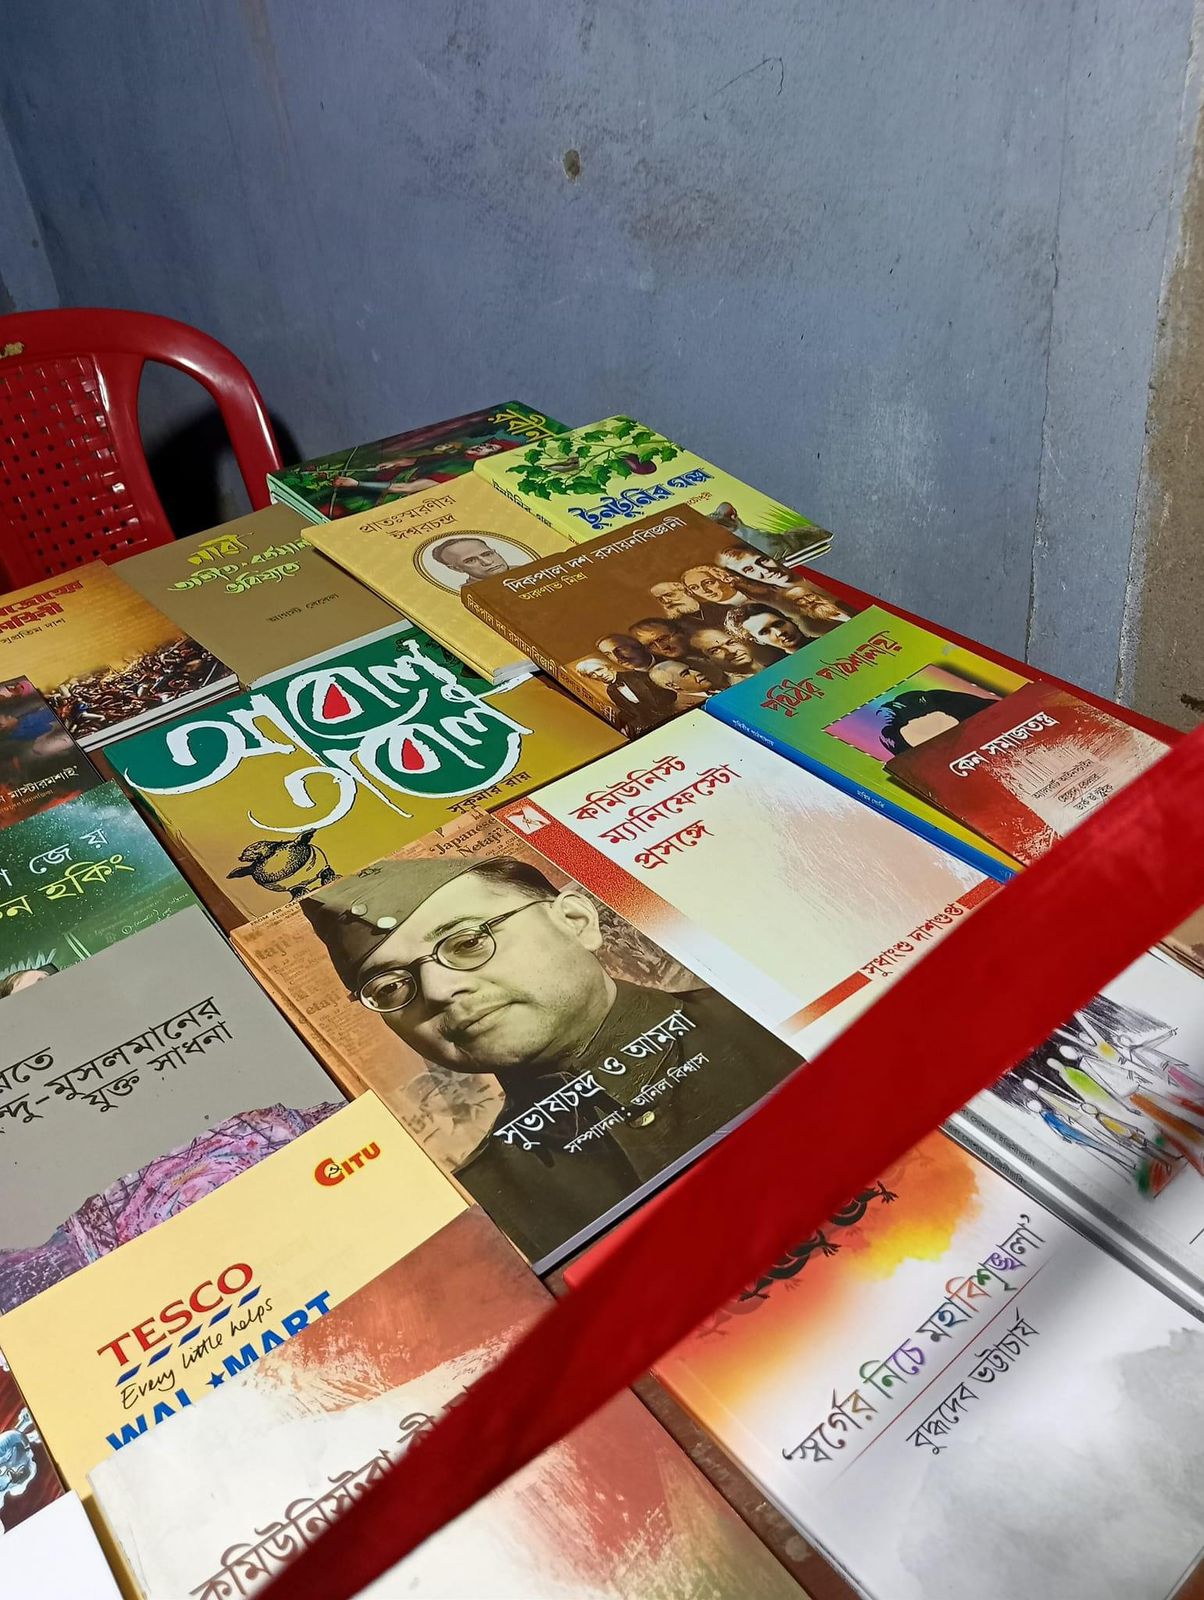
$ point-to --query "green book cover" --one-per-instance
(77, 879)
(600, 478)
(364, 476)
(845, 705)
(312, 776)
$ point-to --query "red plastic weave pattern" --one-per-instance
(62, 491)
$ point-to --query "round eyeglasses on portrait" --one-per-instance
(462, 950)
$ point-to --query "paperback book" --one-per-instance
(57, 1555)
(600, 478)
(551, 1058)
(219, 1503)
(951, 1392)
(131, 1085)
(278, 792)
(423, 553)
(41, 765)
(105, 658)
(259, 595)
(877, 686)
(1024, 771)
(152, 1330)
(352, 481)
(1104, 1121)
(76, 880)
(781, 891)
(649, 621)
(28, 1481)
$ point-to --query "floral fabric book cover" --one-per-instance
(154, 1329)
(877, 686)
(547, 1055)
(41, 765)
(1105, 1121)
(602, 477)
(76, 880)
(648, 621)
(791, 898)
(424, 552)
(358, 479)
(258, 594)
(221, 1501)
(105, 658)
(280, 791)
(952, 1393)
(132, 1084)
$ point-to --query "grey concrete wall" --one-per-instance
(899, 264)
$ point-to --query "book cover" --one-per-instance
(28, 1481)
(1105, 1121)
(277, 792)
(220, 1502)
(105, 658)
(873, 688)
(132, 1084)
(1024, 770)
(348, 482)
(775, 887)
(651, 620)
(40, 763)
(552, 1059)
(76, 880)
(57, 1555)
(599, 478)
(258, 594)
(421, 553)
(953, 1394)
(146, 1333)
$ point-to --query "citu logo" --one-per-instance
(330, 1172)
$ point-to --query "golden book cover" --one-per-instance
(422, 553)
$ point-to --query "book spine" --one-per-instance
(544, 663)
(928, 831)
(522, 504)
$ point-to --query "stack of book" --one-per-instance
(506, 953)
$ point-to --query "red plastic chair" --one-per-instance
(74, 481)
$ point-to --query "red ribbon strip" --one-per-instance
(1030, 956)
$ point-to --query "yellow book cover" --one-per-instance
(107, 660)
(419, 554)
(147, 1332)
(599, 478)
(278, 792)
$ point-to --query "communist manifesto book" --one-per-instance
(40, 763)
(221, 1501)
(130, 1085)
(105, 658)
(644, 622)
(139, 1338)
(77, 879)
(845, 704)
(423, 552)
(1105, 1121)
(351, 481)
(952, 1393)
(554, 1060)
(791, 898)
(597, 479)
(257, 593)
(279, 791)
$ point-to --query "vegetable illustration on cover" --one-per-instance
(590, 459)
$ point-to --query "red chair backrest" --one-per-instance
(74, 481)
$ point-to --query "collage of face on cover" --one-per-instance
(401, 886)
